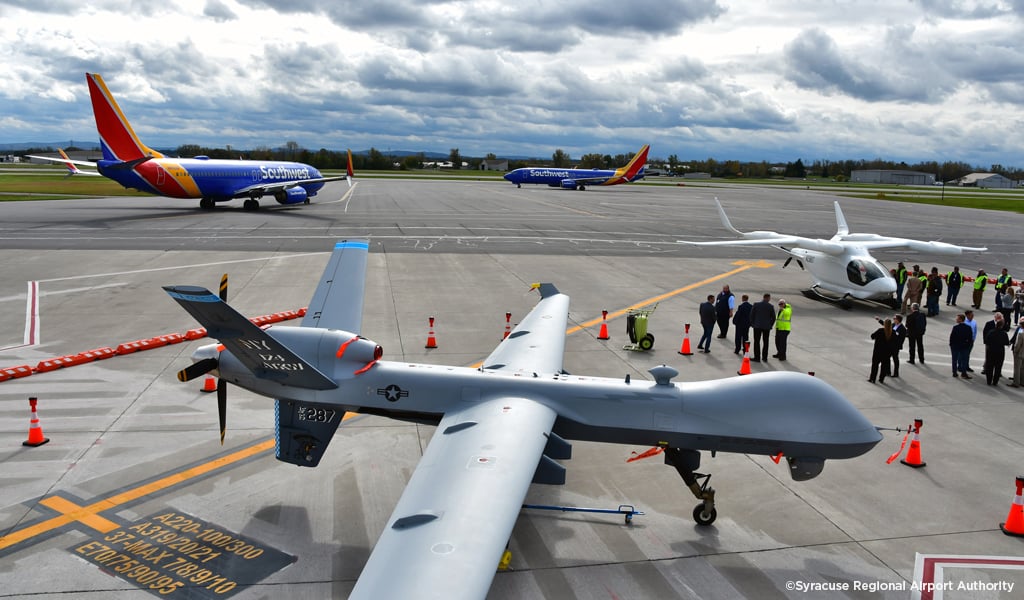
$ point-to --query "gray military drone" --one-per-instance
(500, 427)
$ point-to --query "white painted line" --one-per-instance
(930, 582)
(32, 314)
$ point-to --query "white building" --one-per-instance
(892, 177)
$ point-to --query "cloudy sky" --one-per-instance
(730, 79)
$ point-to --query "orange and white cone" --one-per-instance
(685, 349)
(745, 365)
(1014, 524)
(603, 334)
(913, 458)
(508, 325)
(209, 384)
(431, 340)
(35, 432)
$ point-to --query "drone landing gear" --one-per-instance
(685, 461)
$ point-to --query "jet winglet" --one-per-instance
(725, 219)
(841, 227)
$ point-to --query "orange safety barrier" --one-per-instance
(97, 354)
(129, 347)
(15, 372)
(52, 364)
(167, 339)
(70, 360)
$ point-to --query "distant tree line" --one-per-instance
(377, 160)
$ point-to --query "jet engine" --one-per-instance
(568, 184)
(292, 195)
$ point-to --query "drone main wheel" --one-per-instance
(703, 517)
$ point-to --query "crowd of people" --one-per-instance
(761, 317)
(915, 289)
(1001, 332)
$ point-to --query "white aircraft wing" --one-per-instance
(453, 521)
(70, 164)
(537, 344)
(791, 241)
(338, 300)
(874, 242)
(62, 160)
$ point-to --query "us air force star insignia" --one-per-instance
(392, 393)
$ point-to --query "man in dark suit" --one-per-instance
(762, 319)
(742, 322)
(707, 322)
(725, 304)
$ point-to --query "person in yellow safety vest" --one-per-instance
(783, 325)
(1002, 282)
(954, 281)
(979, 288)
(901, 279)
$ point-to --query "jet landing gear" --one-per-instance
(685, 461)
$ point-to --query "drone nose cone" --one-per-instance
(205, 352)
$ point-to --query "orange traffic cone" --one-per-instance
(35, 432)
(209, 384)
(431, 340)
(508, 325)
(1014, 524)
(913, 458)
(745, 365)
(685, 349)
(603, 334)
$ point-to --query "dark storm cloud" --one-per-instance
(520, 27)
(354, 14)
(959, 9)
(814, 61)
(218, 11)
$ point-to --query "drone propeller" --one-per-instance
(197, 369)
(222, 407)
(204, 366)
(788, 260)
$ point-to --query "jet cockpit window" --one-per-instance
(862, 272)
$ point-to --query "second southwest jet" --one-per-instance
(579, 179)
(134, 165)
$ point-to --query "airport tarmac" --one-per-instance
(132, 452)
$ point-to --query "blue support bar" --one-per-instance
(624, 509)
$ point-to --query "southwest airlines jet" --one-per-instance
(134, 165)
(579, 179)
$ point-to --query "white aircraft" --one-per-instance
(841, 265)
